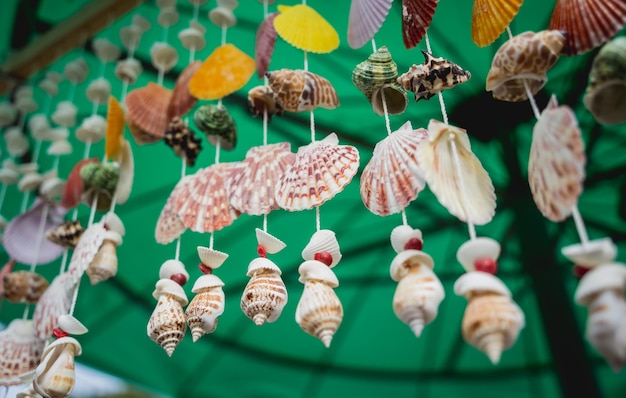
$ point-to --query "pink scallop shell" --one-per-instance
(85, 251)
(182, 100)
(252, 182)
(416, 18)
(20, 351)
(264, 44)
(366, 18)
(169, 226)
(147, 109)
(54, 302)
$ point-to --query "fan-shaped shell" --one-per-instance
(265, 296)
(86, 250)
(262, 99)
(401, 235)
(225, 71)
(264, 44)
(323, 240)
(115, 128)
(20, 351)
(217, 124)
(319, 311)
(128, 70)
(416, 18)
(302, 91)
(167, 323)
(54, 302)
(105, 50)
(321, 170)
(587, 23)
(206, 306)
(392, 178)
(193, 36)
(164, 57)
(470, 196)
(99, 90)
(302, 27)
(69, 324)
(490, 18)
(92, 129)
(182, 101)
(524, 58)
(270, 243)
(182, 140)
(366, 18)
(556, 168)
(24, 287)
(147, 109)
(476, 249)
(210, 257)
(169, 225)
(251, 183)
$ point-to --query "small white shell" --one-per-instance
(50, 87)
(38, 125)
(211, 258)
(131, 36)
(105, 50)
(8, 176)
(8, 113)
(113, 236)
(29, 182)
(55, 376)
(114, 223)
(475, 249)
(223, 16)
(262, 264)
(27, 168)
(592, 253)
(476, 282)
(168, 286)
(164, 57)
(323, 240)
(71, 325)
(57, 133)
(142, 23)
(128, 69)
(98, 91)
(65, 114)
(407, 259)
(193, 36)
(26, 104)
(92, 129)
(604, 277)
(313, 270)
(52, 188)
(401, 234)
(172, 267)
(16, 142)
(59, 148)
(76, 71)
(270, 243)
(168, 16)
(205, 282)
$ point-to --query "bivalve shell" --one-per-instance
(302, 27)
(270, 243)
(401, 235)
(24, 287)
(591, 253)
(490, 18)
(323, 240)
(476, 249)
(98, 91)
(21, 351)
(210, 257)
(416, 18)
(366, 18)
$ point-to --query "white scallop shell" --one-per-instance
(21, 351)
(168, 16)
(57, 133)
(313, 270)
(59, 148)
(321, 170)
(105, 50)
(92, 129)
(610, 276)
(164, 57)
(401, 234)
(404, 261)
(270, 243)
(54, 302)
(475, 249)
(476, 282)
(592, 253)
(98, 91)
(114, 223)
(172, 267)
(65, 114)
(193, 36)
(210, 257)
(206, 282)
(323, 240)
(319, 311)
(167, 287)
(71, 325)
(8, 113)
(366, 18)
(260, 265)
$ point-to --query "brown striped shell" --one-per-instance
(302, 91)
(166, 326)
(206, 306)
(24, 287)
(265, 295)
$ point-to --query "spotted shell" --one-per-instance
(182, 140)
(66, 234)
(262, 99)
(217, 124)
(24, 287)
(167, 323)
(206, 306)
(265, 295)
(302, 91)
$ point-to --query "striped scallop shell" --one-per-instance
(169, 225)
(490, 18)
(366, 18)
(86, 250)
(167, 323)
(587, 23)
(54, 302)
(24, 287)
(265, 295)
(182, 101)
(556, 168)
(323, 240)
(319, 311)
(251, 183)
(416, 18)
(206, 306)
(321, 170)
(20, 351)
(302, 91)
(147, 110)
(392, 178)
(264, 44)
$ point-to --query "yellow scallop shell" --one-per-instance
(225, 71)
(115, 128)
(302, 27)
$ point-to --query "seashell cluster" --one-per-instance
(167, 323)
(99, 183)
(217, 124)
(302, 91)
(24, 287)
(492, 321)
(182, 140)
(376, 78)
(66, 234)
(432, 77)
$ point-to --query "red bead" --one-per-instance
(181, 279)
(260, 250)
(58, 333)
(487, 265)
(205, 269)
(579, 271)
(324, 257)
(414, 244)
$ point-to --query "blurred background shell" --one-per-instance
(217, 124)
(264, 44)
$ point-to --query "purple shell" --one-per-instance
(366, 18)
(264, 46)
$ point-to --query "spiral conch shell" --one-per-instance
(167, 324)
(492, 321)
(302, 91)
(54, 377)
(206, 306)
(104, 264)
(265, 294)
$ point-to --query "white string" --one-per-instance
(211, 241)
(183, 171)
(580, 226)
(160, 78)
(92, 213)
(224, 29)
(74, 298)
(385, 111)
(124, 90)
(55, 165)
(3, 194)
(373, 45)
(265, 8)
(312, 124)
(265, 222)
(218, 145)
(87, 149)
(26, 309)
(192, 54)
(317, 218)
(25, 201)
(459, 173)
(265, 126)
(37, 151)
(196, 9)
(39, 239)
(404, 220)
(531, 99)
(64, 261)
(306, 61)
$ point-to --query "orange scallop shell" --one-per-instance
(115, 128)
(182, 100)
(147, 109)
(490, 18)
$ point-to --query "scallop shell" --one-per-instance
(262, 99)
(469, 197)
(92, 129)
(264, 44)
(476, 249)
(16, 142)
(477, 283)
(323, 240)
(193, 36)
(128, 70)
(166, 326)
(592, 253)
(252, 182)
(524, 58)
(24, 287)
(76, 71)
(147, 109)
(321, 170)
(164, 57)
(86, 250)
(556, 168)
(225, 71)
(490, 18)
(302, 27)
(169, 225)
(54, 376)
(168, 16)
(432, 77)
(417, 298)
(319, 311)
(302, 91)
(182, 140)
(606, 90)
(8, 113)
(20, 351)
(56, 134)
(65, 114)
(104, 264)
(172, 267)
(182, 101)
(416, 18)
(99, 183)
(115, 128)
(217, 124)
(401, 235)
(366, 18)
(207, 305)
(98, 91)
(210, 257)
(105, 50)
(393, 178)
(54, 302)
(265, 295)
(270, 243)
(587, 23)
(73, 189)
(71, 325)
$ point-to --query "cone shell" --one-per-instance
(587, 23)
(321, 170)
(264, 44)
(438, 161)
(401, 235)
(24, 287)
(556, 167)
(207, 305)
(305, 29)
(524, 58)
(416, 18)
(262, 99)
(217, 124)
(323, 240)
(302, 91)
(492, 323)
(182, 101)
(104, 264)
(54, 377)
(366, 18)
(115, 128)
(270, 243)
(128, 70)
(167, 324)
(606, 90)
(54, 302)
(225, 71)
(392, 178)
(265, 295)
(476, 249)
(417, 298)
(20, 351)
(591, 253)
(182, 140)
(319, 311)
(251, 183)
(432, 77)
(147, 110)
(490, 18)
